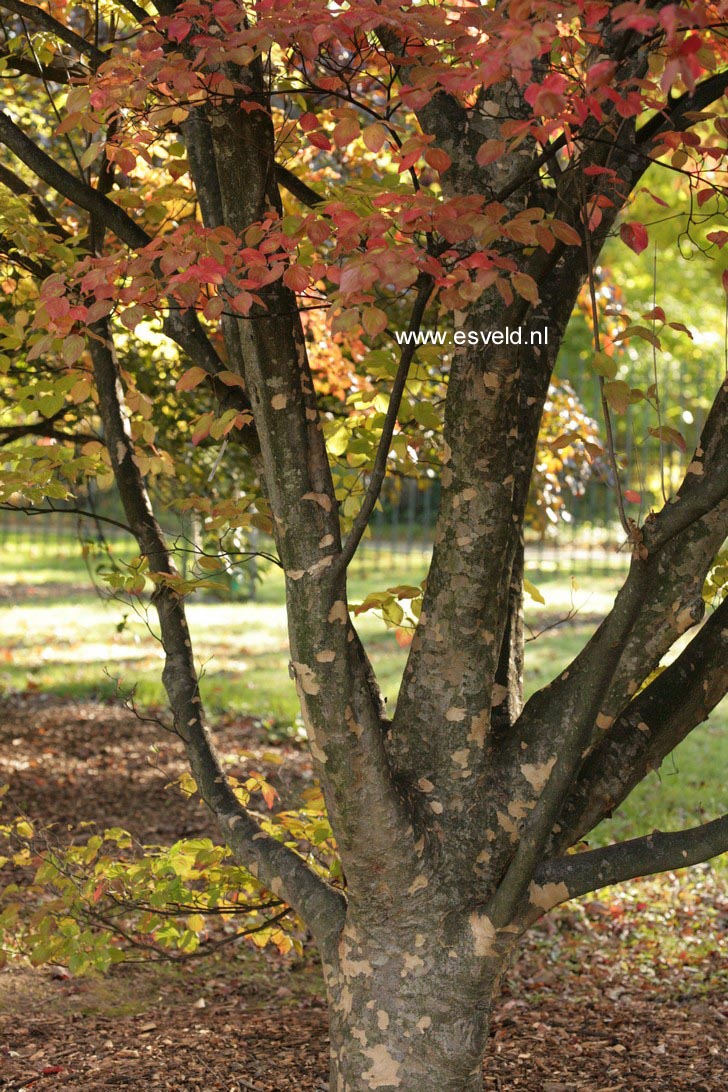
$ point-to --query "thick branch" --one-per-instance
(653, 724)
(66, 184)
(705, 483)
(296, 186)
(657, 852)
(674, 115)
(29, 66)
(45, 427)
(660, 599)
(41, 211)
(277, 867)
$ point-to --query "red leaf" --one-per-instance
(632, 497)
(437, 159)
(308, 122)
(320, 140)
(296, 278)
(720, 238)
(635, 236)
(655, 198)
(374, 136)
(656, 313)
(191, 379)
(489, 151)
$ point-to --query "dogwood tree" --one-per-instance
(255, 185)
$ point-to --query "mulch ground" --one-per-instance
(622, 992)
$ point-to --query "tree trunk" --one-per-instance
(410, 1007)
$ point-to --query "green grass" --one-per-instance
(60, 637)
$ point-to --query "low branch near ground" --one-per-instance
(276, 866)
(562, 723)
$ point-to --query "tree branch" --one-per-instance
(46, 427)
(182, 326)
(42, 18)
(653, 724)
(379, 470)
(296, 186)
(704, 485)
(69, 186)
(26, 66)
(42, 213)
(276, 866)
(138, 12)
(657, 852)
(673, 116)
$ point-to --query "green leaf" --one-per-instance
(604, 365)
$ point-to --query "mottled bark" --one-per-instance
(411, 997)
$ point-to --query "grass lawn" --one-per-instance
(57, 635)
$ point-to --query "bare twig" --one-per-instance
(379, 469)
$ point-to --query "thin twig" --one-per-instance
(598, 348)
(379, 469)
(654, 376)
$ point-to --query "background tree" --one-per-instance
(217, 171)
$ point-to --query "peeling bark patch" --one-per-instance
(537, 774)
(499, 694)
(382, 1019)
(424, 1023)
(507, 824)
(384, 1072)
(484, 934)
(419, 884)
(339, 613)
(455, 714)
(604, 722)
(327, 656)
(306, 677)
(346, 1001)
(424, 785)
(322, 499)
(548, 895)
(327, 540)
(279, 401)
(478, 728)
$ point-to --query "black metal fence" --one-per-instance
(586, 535)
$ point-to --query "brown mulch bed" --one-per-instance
(595, 1003)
